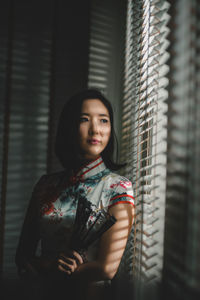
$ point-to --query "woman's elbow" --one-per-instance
(109, 272)
(109, 275)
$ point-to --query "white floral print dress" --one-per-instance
(51, 214)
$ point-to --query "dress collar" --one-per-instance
(90, 169)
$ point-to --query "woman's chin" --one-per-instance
(91, 156)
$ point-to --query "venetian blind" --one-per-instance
(101, 21)
(106, 48)
(25, 59)
(182, 243)
(144, 129)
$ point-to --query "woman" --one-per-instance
(84, 145)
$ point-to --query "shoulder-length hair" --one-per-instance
(67, 145)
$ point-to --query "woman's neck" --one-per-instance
(81, 162)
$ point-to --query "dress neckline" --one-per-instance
(88, 170)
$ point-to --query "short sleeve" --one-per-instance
(122, 192)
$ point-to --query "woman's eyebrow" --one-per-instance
(101, 115)
(104, 115)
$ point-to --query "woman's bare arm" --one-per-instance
(111, 248)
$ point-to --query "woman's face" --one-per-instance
(94, 129)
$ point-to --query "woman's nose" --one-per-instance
(94, 128)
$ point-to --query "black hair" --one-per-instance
(66, 144)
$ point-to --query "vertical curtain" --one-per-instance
(181, 273)
(43, 60)
(144, 130)
(25, 74)
(106, 52)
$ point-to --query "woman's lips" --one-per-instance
(93, 141)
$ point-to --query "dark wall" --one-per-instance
(44, 49)
(70, 59)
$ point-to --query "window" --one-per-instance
(181, 270)
(144, 129)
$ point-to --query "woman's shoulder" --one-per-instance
(117, 189)
(118, 183)
(53, 178)
(116, 178)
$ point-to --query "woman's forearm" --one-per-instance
(91, 271)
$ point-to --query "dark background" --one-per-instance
(49, 50)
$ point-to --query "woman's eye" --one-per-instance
(104, 121)
(83, 119)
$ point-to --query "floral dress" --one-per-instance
(52, 208)
(95, 182)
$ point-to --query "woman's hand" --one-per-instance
(69, 262)
(65, 262)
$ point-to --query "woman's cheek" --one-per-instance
(108, 132)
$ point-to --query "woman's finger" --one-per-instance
(78, 257)
(65, 266)
(69, 263)
(74, 255)
(63, 269)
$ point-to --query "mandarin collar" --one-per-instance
(90, 169)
